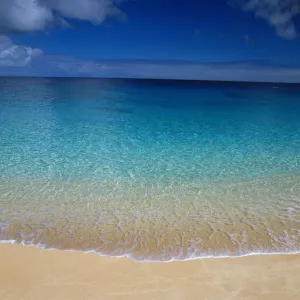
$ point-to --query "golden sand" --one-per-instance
(30, 273)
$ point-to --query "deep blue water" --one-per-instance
(147, 129)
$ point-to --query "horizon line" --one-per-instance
(155, 79)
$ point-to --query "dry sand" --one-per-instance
(29, 273)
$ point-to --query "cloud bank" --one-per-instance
(278, 13)
(12, 55)
(230, 71)
(35, 15)
(18, 60)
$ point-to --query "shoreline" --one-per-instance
(128, 256)
(32, 273)
(157, 223)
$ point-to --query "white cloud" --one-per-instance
(278, 13)
(35, 15)
(12, 55)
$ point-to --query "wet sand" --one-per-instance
(30, 273)
(154, 220)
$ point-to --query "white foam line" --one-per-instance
(44, 247)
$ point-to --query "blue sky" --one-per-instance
(255, 40)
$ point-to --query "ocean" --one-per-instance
(155, 170)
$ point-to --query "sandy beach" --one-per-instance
(31, 273)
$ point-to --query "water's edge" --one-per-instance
(128, 256)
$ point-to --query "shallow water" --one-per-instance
(150, 169)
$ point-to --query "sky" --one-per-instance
(248, 40)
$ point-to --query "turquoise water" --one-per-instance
(150, 169)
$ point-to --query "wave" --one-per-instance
(129, 256)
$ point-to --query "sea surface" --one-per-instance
(150, 169)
